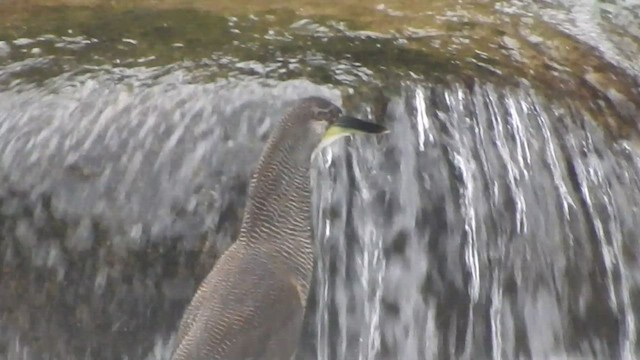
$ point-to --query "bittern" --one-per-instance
(252, 303)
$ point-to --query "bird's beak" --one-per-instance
(352, 125)
(347, 126)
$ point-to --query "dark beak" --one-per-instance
(352, 124)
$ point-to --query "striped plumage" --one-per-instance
(251, 305)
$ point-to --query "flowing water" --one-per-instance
(493, 226)
(497, 220)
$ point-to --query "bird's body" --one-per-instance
(251, 305)
(244, 317)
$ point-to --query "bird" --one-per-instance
(251, 305)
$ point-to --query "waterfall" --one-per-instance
(490, 223)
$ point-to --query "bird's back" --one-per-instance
(246, 308)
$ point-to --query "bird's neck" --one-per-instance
(277, 217)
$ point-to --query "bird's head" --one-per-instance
(324, 122)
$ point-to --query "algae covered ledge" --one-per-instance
(337, 43)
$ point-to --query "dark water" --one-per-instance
(498, 219)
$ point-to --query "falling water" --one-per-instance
(494, 221)
(489, 224)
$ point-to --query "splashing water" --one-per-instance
(493, 224)
(490, 223)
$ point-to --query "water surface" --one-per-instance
(496, 221)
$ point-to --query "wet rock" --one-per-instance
(606, 85)
(81, 237)
(4, 49)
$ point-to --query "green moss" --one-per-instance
(330, 49)
(149, 38)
